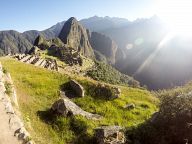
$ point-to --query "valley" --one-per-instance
(100, 80)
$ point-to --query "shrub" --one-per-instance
(8, 88)
(106, 73)
(173, 122)
(5, 71)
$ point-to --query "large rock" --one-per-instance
(105, 45)
(76, 36)
(66, 107)
(79, 90)
(110, 135)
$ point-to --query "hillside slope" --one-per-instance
(13, 42)
(39, 88)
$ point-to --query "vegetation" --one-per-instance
(38, 89)
(172, 124)
(8, 88)
(5, 71)
(106, 73)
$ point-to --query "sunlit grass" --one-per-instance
(38, 88)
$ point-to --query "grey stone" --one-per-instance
(110, 135)
(79, 90)
(66, 107)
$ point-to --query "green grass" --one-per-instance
(38, 89)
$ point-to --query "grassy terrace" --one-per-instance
(38, 88)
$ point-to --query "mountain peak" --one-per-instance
(76, 36)
(72, 20)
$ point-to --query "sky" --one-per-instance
(22, 15)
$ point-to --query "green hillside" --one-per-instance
(38, 89)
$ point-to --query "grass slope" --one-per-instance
(38, 88)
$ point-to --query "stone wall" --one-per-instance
(16, 125)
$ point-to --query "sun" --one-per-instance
(177, 14)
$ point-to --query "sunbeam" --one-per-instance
(150, 58)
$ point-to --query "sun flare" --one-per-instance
(177, 15)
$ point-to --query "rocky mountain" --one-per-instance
(98, 24)
(104, 45)
(138, 43)
(75, 35)
(13, 42)
(33, 34)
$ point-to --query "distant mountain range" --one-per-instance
(135, 48)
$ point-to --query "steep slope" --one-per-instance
(13, 42)
(39, 88)
(104, 45)
(33, 34)
(75, 35)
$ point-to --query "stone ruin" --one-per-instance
(109, 135)
(69, 55)
(50, 64)
(16, 125)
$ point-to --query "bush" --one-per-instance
(173, 122)
(106, 73)
(8, 88)
(5, 71)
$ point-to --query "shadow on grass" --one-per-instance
(68, 91)
(74, 124)
(47, 116)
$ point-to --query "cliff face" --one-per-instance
(105, 45)
(75, 35)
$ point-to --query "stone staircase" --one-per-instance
(50, 64)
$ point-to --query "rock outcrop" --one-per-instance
(79, 90)
(105, 45)
(106, 91)
(110, 135)
(75, 35)
(66, 107)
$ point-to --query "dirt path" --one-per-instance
(6, 134)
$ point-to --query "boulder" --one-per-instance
(109, 135)
(116, 93)
(65, 107)
(79, 90)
